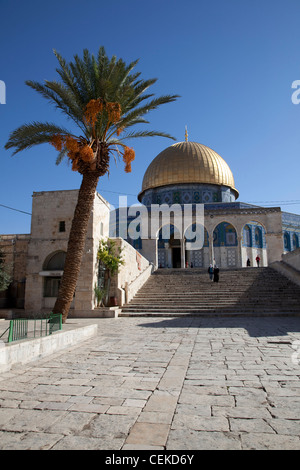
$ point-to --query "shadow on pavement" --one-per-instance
(256, 326)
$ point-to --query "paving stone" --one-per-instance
(118, 393)
(264, 441)
(286, 412)
(124, 410)
(89, 407)
(61, 389)
(241, 412)
(104, 426)
(71, 422)
(251, 425)
(53, 405)
(289, 427)
(200, 423)
(160, 383)
(156, 417)
(87, 443)
(32, 420)
(161, 402)
(201, 440)
(141, 447)
(149, 434)
(221, 400)
(195, 409)
(28, 440)
(134, 403)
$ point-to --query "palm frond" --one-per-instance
(67, 77)
(29, 135)
(60, 96)
(89, 78)
(138, 134)
(140, 111)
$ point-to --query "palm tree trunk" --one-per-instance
(76, 243)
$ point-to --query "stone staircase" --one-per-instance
(246, 291)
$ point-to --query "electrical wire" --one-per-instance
(13, 209)
(270, 203)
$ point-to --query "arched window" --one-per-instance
(55, 262)
(247, 236)
(258, 237)
(287, 241)
(196, 233)
(225, 235)
(295, 241)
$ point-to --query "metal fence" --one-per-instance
(30, 328)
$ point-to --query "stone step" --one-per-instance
(191, 292)
(216, 313)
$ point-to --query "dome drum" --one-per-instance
(187, 194)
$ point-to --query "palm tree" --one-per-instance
(105, 98)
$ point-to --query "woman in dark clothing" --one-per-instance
(216, 274)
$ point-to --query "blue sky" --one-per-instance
(232, 62)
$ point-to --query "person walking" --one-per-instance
(257, 260)
(211, 272)
(216, 274)
(248, 262)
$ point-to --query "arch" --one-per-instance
(166, 231)
(196, 246)
(191, 229)
(287, 241)
(247, 235)
(169, 246)
(255, 222)
(224, 245)
(254, 235)
(295, 241)
(225, 234)
(253, 243)
(55, 261)
(258, 237)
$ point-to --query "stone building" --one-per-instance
(184, 175)
(43, 251)
(37, 259)
(187, 174)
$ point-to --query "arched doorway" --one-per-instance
(253, 244)
(225, 244)
(169, 242)
(196, 246)
(175, 247)
(52, 272)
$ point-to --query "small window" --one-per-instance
(62, 226)
(51, 286)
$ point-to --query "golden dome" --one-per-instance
(188, 162)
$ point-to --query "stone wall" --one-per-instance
(292, 259)
(289, 265)
(15, 249)
(132, 275)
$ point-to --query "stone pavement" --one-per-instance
(172, 384)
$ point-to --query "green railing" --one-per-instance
(30, 328)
